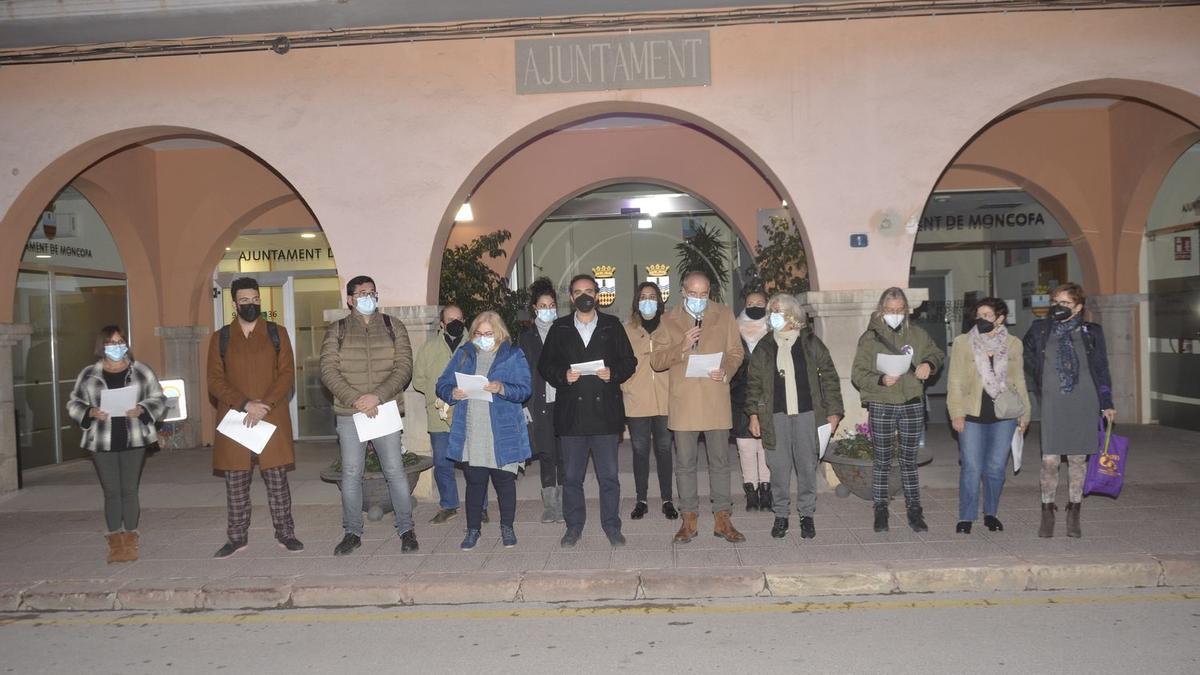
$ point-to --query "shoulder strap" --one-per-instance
(273, 333)
(891, 346)
(387, 323)
(341, 332)
(223, 341)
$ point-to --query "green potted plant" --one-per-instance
(780, 265)
(707, 252)
(467, 281)
(852, 456)
(376, 499)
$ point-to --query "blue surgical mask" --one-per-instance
(777, 320)
(697, 305)
(485, 342)
(547, 314)
(116, 352)
(366, 305)
(648, 308)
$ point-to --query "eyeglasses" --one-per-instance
(114, 343)
(487, 334)
(366, 294)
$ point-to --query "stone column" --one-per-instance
(1118, 314)
(421, 322)
(10, 336)
(839, 318)
(181, 360)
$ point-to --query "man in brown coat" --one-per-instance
(700, 405)
(250, 369)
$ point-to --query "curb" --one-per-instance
(446, 588)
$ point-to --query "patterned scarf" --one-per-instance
(752, 330)
(1067, 363)
(994, 343)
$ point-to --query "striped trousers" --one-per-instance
(279, 498)
(886, 419)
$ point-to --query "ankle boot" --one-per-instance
(687, 529)
(723, 528)
(549, 507)
(916, 519)
(1046, 529)
(129, 550)
(751, 496)
(115, 540)
(881, 518)
(1073, 520)
(764, 496)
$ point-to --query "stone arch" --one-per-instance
(492, 167)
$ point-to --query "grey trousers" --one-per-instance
(687, 449)
(795, 449)
(120, 472)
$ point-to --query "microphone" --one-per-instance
(699, 324)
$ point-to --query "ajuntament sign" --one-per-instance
(625, 61)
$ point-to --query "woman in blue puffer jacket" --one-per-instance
(490, 440)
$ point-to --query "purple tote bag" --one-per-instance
(1106, 468)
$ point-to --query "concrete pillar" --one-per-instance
(10, 336)
(421, 322)
(181, 360)
(1118, 314)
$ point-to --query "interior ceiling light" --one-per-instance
(465, 214)
(43, 256)
(308, 235)
(645, 224)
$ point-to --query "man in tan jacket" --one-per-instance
(700, 405)
(366, 362)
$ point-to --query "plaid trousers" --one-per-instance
(279, 497)
(885, 420)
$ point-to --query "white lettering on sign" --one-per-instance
(613, 62)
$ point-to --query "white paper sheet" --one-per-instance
(254, 438)
(823, 433)
(473, 385)
(699, 365)
(1018, 447)
(588, 367)
(892, 364)
(387, 422)
(116, 401)
(550, 393)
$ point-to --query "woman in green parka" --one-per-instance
(895, 404)
(792, 389)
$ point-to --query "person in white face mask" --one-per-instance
(895, 404)
(366, 361)
(646, 396)
(539, 409)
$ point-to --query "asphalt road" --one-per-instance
(1148, 631)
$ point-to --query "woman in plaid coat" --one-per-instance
(118, 443)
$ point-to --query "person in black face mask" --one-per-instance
(430, 361)
(756, 477)
(1066, 360)
(589, 412)
(985, 364)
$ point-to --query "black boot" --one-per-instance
(881, 518)
(916, 519)
(780, 528)
(1046, 529)
(752, 502)
(764, 496)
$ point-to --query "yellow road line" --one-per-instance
(649, 609)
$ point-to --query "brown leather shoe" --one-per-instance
(687, 530)
(116, 542)
(723, 528)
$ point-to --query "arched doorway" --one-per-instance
(627, 233)
(70, 282)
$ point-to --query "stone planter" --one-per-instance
(377, 501)
(856, 474)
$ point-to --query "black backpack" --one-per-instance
(272, 332)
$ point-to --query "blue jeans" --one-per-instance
(983, 451)
(444, 470)
(354, 457)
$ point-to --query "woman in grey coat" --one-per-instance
(118, 441)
